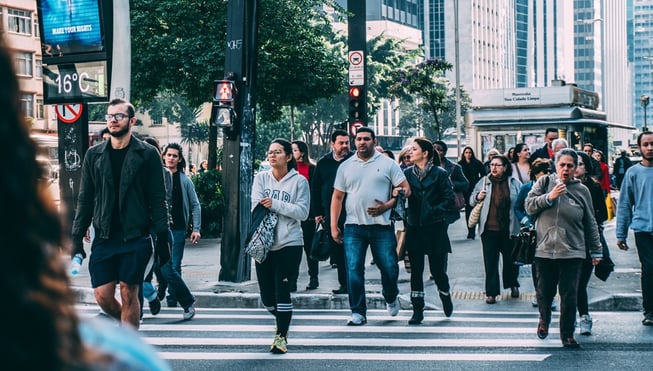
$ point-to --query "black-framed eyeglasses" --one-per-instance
(117, 116)
(569, 166)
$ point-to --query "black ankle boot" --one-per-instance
(418, 311)
(447, 304)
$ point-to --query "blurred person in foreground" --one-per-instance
(566, 230)
(426, 226)
(635, 211)
(44, 331)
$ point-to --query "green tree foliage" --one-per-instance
(268, 131)
(426, 85)
(319, 120)
(171, 106)
(178, 45)
(415, 119)
(298, 62)
(208, 186)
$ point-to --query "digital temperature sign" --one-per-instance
(76, 82)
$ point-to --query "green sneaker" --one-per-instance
(280, 345)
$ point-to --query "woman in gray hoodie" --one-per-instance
(566, 230)
(282, 190)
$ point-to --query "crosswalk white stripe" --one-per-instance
(378, 342)
(326, 317)
(372, 312)
(490, 357)
(345, 329)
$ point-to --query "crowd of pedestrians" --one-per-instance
(142, 206)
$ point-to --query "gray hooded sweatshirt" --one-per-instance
(290, 200)
(566, 228)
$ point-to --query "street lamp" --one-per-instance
(644, 101)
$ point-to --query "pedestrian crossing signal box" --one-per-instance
(223, 114)
(224, 93)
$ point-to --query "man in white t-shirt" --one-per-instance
(369, 180)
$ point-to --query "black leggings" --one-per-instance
(275, 276)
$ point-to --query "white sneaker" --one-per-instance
(356, 319)
(393, 308)
(585, 324)
(189, 313)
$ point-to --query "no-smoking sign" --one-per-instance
(68, 113)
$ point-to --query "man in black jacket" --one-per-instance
(321, 192)
(122, 193)
(621, 164)
(546, 151)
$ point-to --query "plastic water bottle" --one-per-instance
(76, 264)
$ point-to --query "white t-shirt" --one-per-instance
(367, 181)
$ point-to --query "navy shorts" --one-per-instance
(119, 261)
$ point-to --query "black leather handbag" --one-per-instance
(321, 245)
(524, 244)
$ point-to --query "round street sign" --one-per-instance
(354, 126)
(68, 113)
(355, 57)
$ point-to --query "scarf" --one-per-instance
(498, 217)
(421, 173)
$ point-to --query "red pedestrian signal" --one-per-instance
(354, 92)
(357, 104)
(223, 92)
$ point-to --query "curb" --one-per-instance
(616, 302)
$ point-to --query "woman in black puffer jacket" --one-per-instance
(426, 225)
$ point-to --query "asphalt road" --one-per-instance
(472, 339)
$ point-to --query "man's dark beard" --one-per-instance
(121, 133)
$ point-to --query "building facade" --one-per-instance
(19, 25)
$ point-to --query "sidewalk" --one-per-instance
(201, 265)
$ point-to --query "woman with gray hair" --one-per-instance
(566, 229)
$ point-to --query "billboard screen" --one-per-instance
(70, 28)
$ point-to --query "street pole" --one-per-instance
(457, 66)
(239, 140)
(356, 82)
(644, 100)
(121, 53)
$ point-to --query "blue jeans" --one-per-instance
(176, 286)
(178, 243)
(149, 292)
(383, 244)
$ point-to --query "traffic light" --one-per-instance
(357, 105)
(223, 114)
